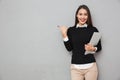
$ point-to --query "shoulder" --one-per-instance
(71, 28)
(93, 28)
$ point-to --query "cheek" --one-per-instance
(86, 17)
(78, 16)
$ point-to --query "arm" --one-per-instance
(99, 47)
(66, 37)
(93, 48)
(67, 42)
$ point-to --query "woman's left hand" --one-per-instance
(89, 47)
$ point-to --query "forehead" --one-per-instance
(82, 10)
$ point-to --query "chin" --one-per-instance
(82, 23)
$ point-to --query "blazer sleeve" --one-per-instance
(68, 44)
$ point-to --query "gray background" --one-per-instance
(31, 46)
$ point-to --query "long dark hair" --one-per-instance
(89, 21)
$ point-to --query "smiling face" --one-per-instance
(82, 16)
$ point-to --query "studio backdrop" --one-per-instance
(31, 45)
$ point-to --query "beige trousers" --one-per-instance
(84, 74)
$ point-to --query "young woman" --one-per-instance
(76, 39)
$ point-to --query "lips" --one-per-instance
(82, 20)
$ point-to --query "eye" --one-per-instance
(80, 13)
(86, 14)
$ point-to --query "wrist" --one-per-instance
(94, 49)
(64, 35)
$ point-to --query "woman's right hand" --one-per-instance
(63, 30)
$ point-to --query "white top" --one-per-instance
(83, 66)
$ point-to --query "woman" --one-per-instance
(76, 39)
